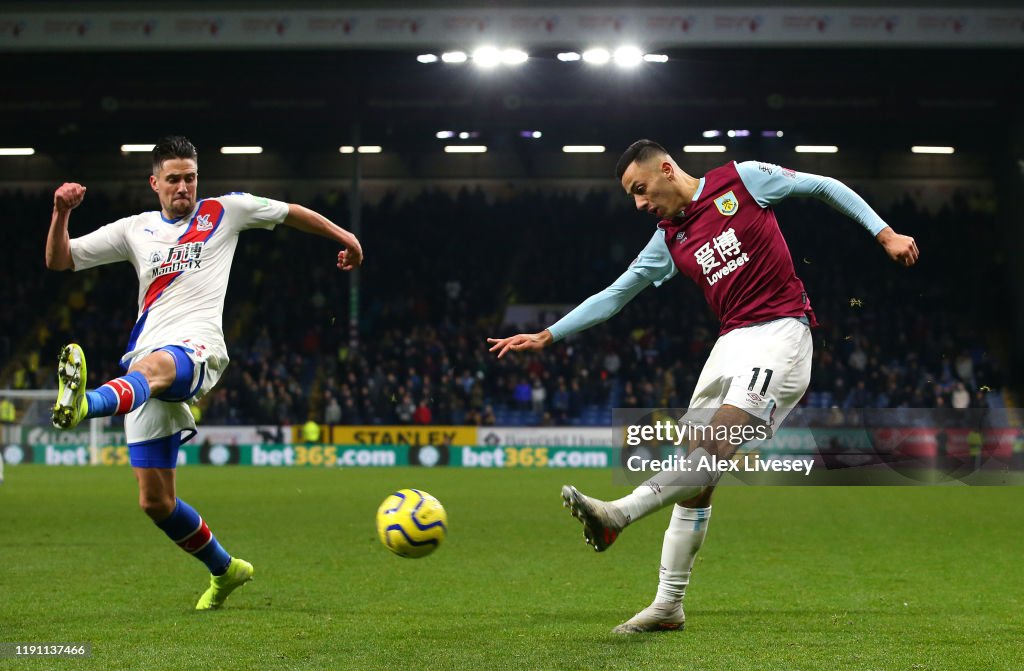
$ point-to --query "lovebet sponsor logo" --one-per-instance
(38, 435)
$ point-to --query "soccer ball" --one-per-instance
(411, 523)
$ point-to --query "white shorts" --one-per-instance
(156, 418)
(763, 369)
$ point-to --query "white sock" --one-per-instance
(683, 538)
(666, 488)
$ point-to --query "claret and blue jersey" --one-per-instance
(728, 242)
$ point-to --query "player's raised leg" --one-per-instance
(115, 397)
(603, 521)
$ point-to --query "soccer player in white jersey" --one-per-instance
(182, 254)
(720, 231)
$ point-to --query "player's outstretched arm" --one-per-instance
(305, 219)
(900, 248)
(598, 308)
(529, 342)
(58, 243)
(770, 184)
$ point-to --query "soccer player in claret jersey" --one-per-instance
(720, 231)
(182, 254)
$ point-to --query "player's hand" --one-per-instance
(68, 196)
(900, 248)
(530, 342)
(350, 258)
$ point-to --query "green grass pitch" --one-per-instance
(789, 578)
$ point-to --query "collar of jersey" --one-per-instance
(175, 221)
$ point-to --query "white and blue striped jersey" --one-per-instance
(182, 265)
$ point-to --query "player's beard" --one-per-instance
(181, 206)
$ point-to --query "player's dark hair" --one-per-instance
(638, 152)
(172, 146)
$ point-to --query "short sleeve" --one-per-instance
(107, 244)
(251, 211)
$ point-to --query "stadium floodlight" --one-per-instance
(583, 149)
(347, 149)
(531, 134)
(738, 133)
(241, 150)
(656, 58)
(514, 56)
(711, 133)
(486, 57)
(568, 56)
(465, 149)
(427, 58)
(16, 151)
(370, 149)
(596, 56)
(464, 135)
(771, 133)
(454, 57)
(704, 148)
(444, 134)
(628, 57)
(924, 149)
(133, 148)
(816, 149)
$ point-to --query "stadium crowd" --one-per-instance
(441, 271)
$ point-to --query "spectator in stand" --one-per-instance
(488, 418)
(422, 414)
(538, 395)
(522, 394)
(961, 398)
(405, 410)
(332, 410)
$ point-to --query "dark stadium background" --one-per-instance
(898, 577)
(525, 223)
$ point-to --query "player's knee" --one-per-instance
(159, 370)
(157, 507)
(702, 500)
(715, 443)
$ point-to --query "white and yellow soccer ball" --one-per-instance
(411, 523)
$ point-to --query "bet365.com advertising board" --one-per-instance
(320, 456)
(474, 447)
(347, 447)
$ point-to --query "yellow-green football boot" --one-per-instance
(221, 586)
(71, 406)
